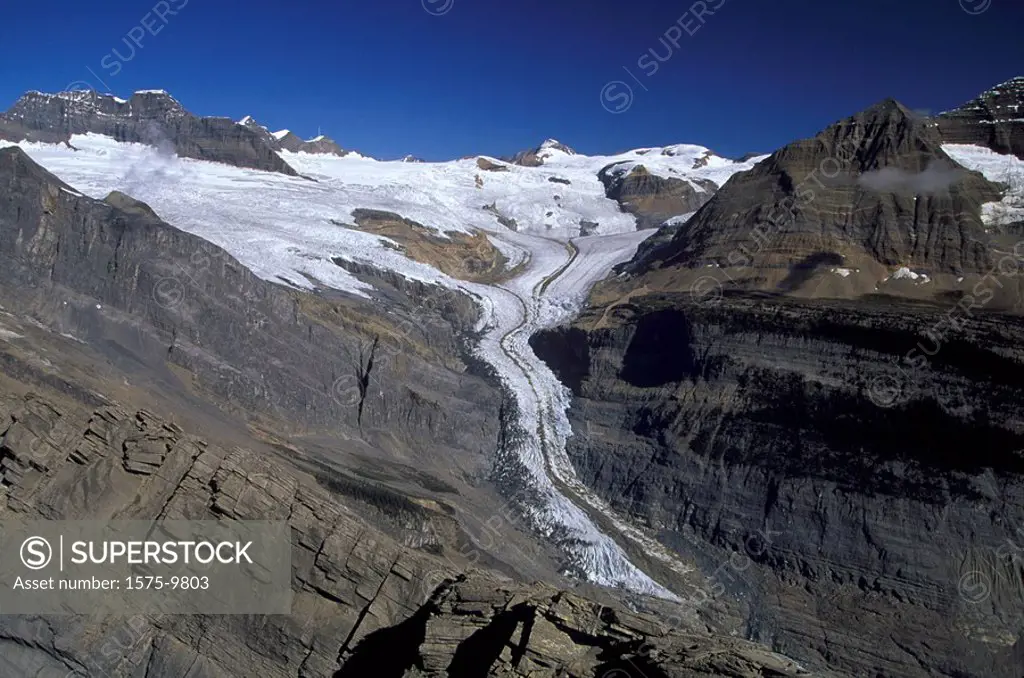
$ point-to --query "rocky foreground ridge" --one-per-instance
(364, 604)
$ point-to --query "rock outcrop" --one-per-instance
(286, 140)
(324, 146)
(463, 256)
(994, 119)
(654, 199)
(148, 117)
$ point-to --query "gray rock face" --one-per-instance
(259, 130)
(288, 140)
(879, 508)
(862, 456)
(151, 117)
(994, 119)
(651, 198)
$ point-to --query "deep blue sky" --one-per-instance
(495, 76)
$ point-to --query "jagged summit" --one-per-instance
(154, 116)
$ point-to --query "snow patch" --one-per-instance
(1002, 168)
(904, 273)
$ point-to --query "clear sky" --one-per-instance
(446, 78)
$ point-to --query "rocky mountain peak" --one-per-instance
(287, 140)
(250, 123)
(155, 99)
(870, 193)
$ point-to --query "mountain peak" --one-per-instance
(860, 210)
(536, 156)
(555, 144)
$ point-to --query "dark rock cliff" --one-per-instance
(881, 504)
(753, 386)
(151, 117)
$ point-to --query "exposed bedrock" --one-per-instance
(878, 502)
